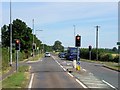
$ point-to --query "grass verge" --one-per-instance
(112, 65)
(17, 80)
(36, 57)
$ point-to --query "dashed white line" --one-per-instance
(31, 81)
(108, 84)
(84, 70)
(70, 74)
(81, 83)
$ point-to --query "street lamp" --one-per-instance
(10, 37)
(43, 44)
(74, 33)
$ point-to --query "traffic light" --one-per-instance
(78, 41)
(34, 46)
(17, 44)
(90, 47)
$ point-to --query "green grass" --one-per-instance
(112, 65)
(18, 79)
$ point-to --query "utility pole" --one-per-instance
(33, 36)
(10, 37)
(97, 42)
(74, 33)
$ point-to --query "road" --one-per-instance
(102, 73)
(48, 74)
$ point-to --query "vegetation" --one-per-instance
(103, 55)
(17, 80)
(24, 33)
(57, 47)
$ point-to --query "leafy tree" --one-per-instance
(19, 31)
(114, 49)
(58, 46)
(5, 36)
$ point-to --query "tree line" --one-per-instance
(24, 33)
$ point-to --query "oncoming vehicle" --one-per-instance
(71, 53)
(47, 54)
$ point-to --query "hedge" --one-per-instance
(102, 55)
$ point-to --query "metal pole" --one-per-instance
(16, 60)
(97, 42)
(77, 54)
(33, 37)
(10, 37)
(90, 55)
(74, 33)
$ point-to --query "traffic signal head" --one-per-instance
(17, 44)
(90, 47)
(78, 41)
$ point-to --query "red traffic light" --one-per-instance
(78, 41)
(17, 41)
(78, 37)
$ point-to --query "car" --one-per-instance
(47, 54)
(62, 55)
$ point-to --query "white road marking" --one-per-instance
(84, 70)
(59, 64)
(81, 83)
(70, 74)
(108, 84)
(31, 81)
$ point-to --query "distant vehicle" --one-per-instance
(71, 53)
(62, 55)
(47, 54)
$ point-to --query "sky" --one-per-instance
(57, 21)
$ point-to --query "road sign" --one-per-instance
(78, 62)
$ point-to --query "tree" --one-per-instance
(114, 49)
(19, 31)
(58, 46)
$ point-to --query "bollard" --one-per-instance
(78, 67)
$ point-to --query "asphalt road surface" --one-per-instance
(48, 74)
(103, 73)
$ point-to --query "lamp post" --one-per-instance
(40, 30)
(10, 37)
(74, 33)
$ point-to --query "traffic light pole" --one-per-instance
(90, 55)
(78, 54)
(16, 60)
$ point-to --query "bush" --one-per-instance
(116, 59)
(106, 57)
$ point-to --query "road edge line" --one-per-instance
(70, 74)
(31, 80)
(81, 83)
(108, 84)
